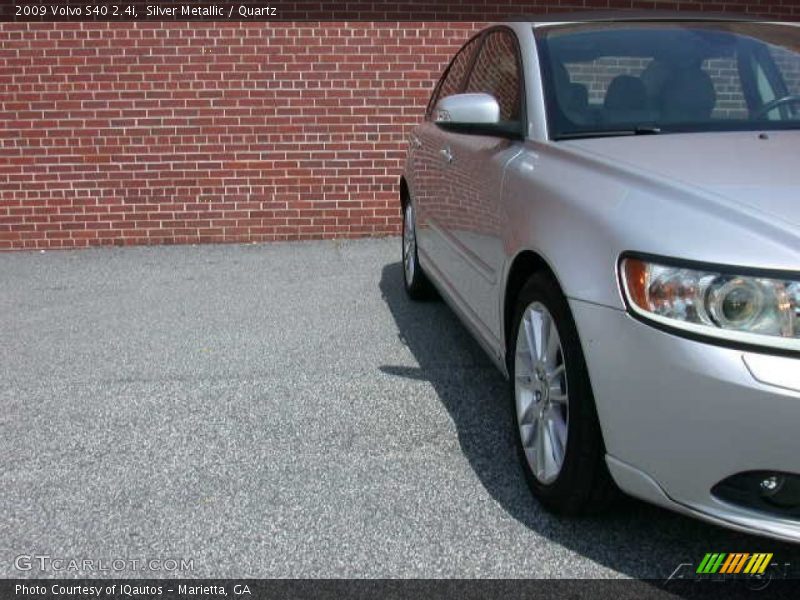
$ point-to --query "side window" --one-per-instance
(497, 72)
(453, 77)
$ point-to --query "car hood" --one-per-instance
(758, 170)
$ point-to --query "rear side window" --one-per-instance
(453, 79)
(497, 72)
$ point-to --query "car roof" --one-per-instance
(563, 18)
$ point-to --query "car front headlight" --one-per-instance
(743, 307)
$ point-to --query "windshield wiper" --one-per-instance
(638, 130)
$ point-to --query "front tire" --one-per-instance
(417, 285)
(558, 432)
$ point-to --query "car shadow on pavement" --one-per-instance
(634, 538)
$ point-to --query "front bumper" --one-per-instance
(679, 416)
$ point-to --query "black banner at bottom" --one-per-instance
(391, 589)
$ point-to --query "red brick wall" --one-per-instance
(147, 133)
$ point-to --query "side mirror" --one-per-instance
(468, 109)
(473, 113)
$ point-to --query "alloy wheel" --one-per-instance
(540, 391)
(409, 243)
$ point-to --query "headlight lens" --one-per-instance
(750, 309)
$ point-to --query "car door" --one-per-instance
(472, 222)
(427, 160)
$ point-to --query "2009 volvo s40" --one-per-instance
(613, 209)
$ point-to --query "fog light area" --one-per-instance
(766, 491)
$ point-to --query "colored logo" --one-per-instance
(734, 563)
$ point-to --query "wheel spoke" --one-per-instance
(525, 404)
(553, 345)
(559, 423)
(528, 431)
(538, 330)
(558, 434)
(545, 335)
(530, 336)
(557, 389)
(539, 450)
(556, 374)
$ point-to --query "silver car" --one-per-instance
(612, 208)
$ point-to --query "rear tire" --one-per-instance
(416, 283)
(558, 437)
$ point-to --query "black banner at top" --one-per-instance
(355, 10)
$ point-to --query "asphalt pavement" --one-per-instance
(277, 410)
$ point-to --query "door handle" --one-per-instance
(447, 155)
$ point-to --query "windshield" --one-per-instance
(653, 77)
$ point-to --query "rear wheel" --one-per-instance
(416, 282)
(559, 438)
